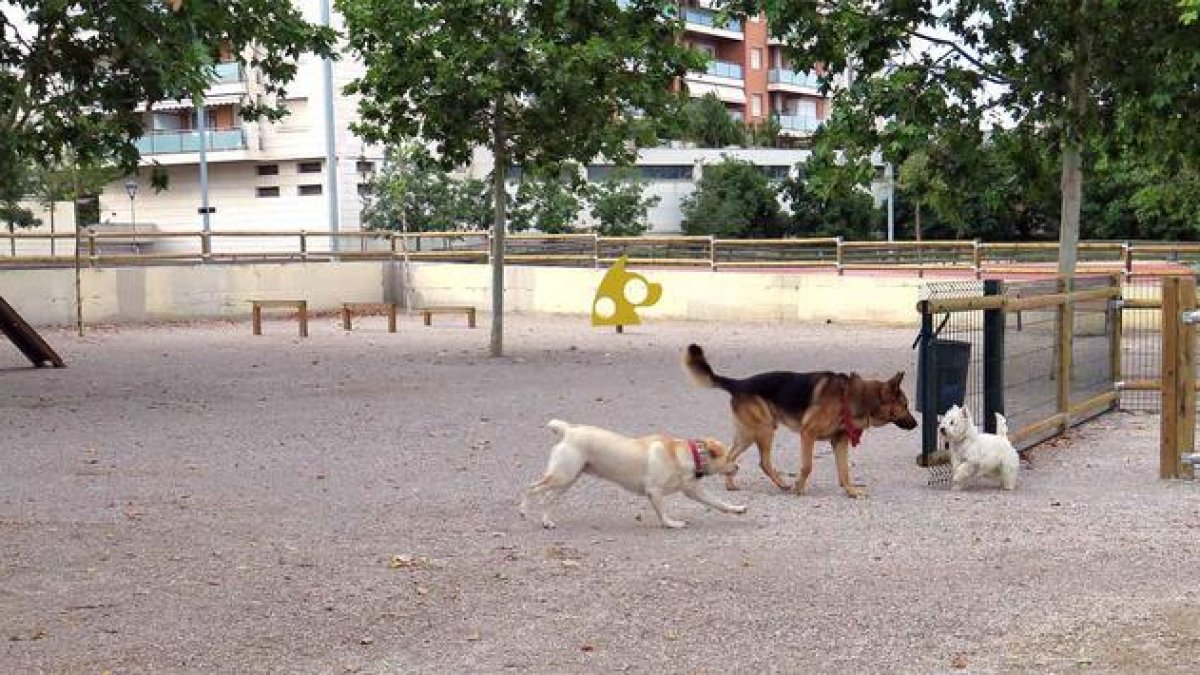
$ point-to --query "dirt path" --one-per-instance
(192, 499)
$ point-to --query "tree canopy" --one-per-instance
(76, 76)
(1109, 78)
(537, 83)
(733, 199)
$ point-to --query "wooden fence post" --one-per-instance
(1116, 330)
(1066, 332)
(1178, 430)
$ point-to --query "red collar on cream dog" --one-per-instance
(701, 464)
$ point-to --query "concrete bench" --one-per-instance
(301, 307)
(428, 312)
(373, 307)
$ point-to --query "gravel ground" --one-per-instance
(192, 499)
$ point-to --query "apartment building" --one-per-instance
(750, 72)
(277, 176)
(261, 175)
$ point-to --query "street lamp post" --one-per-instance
(131, 189)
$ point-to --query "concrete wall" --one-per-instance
(131, 294)
(135, 294)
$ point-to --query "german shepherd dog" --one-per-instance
(819, 406)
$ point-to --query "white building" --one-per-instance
(261, 175)
(275, 176)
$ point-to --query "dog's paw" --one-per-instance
(856, 492)
(739, 509)
(548, 524)
(674, 524)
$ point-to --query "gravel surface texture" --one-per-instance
(190, 498)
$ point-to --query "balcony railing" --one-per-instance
(806, 123)
(785, 76)
(725, 69)
(228, 72)
(168, 142)
(707, 17)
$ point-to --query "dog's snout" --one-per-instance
(907, 423)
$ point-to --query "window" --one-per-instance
(666, 171)
(364, 166)
(268, 169)
(309, 190)
(268, 191)
(774, 171)
(756, 105)
(598, 172)
(308, 167)
(364, 190)
(755, 59)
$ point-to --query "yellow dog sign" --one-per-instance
(620, 293)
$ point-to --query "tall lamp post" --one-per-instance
(131, 189)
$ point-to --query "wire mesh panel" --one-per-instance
(1141, 344)
(963, 328)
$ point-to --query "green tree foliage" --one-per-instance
(619, 204)
(75, 77)
(547, 200)
(413, 193)
(827, 200)
(733, 199)
(709, 124)
(536, 83)
(765, 134)
(1065, 75)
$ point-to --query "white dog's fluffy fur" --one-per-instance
(974, 453)
(654, 466)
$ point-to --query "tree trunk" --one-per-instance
(1072, 155)
(1072, 203)
(499, 197)
(917, 223)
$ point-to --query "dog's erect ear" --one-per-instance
(897, 379)
(966, 413)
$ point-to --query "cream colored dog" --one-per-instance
(655, 466)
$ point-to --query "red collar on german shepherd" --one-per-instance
(818, 406)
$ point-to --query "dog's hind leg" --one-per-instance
(742, 440)
(564, 469)
(763, 439)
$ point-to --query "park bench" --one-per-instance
(374, 307)
(428, 312)
(301, 307)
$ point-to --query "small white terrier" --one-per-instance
(974, 453)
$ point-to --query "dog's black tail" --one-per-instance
(701, 373)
